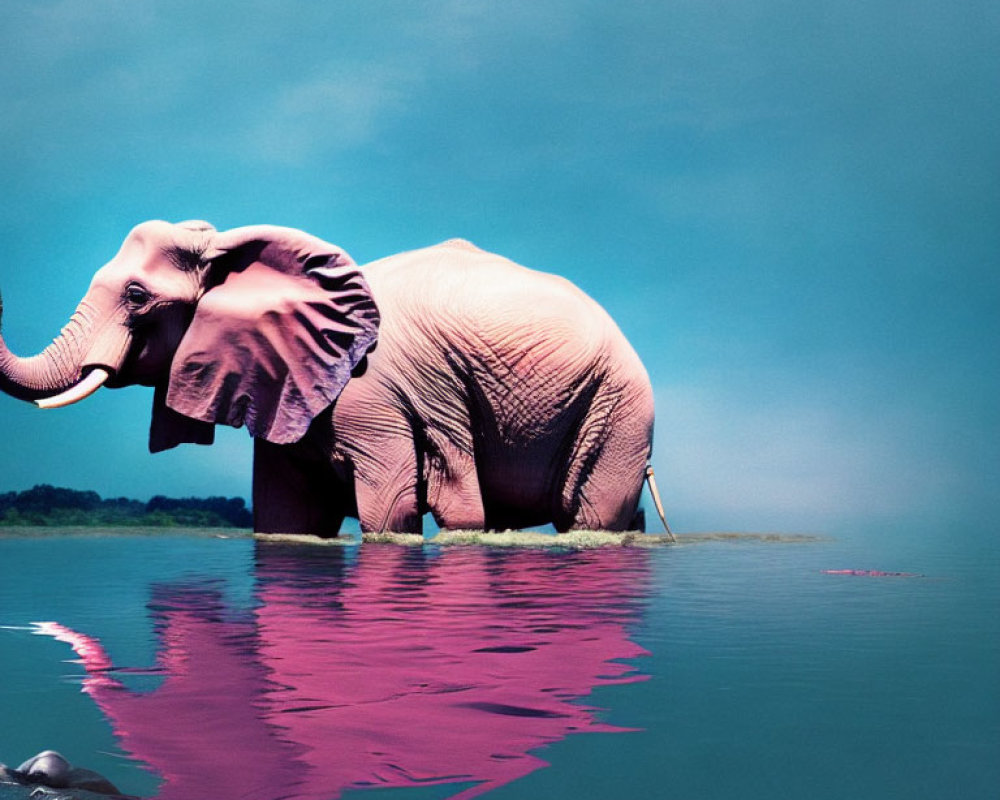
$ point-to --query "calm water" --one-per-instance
(214, 668)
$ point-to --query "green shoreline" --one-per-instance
(53, 531)
(56, 506)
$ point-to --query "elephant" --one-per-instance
(446, 379)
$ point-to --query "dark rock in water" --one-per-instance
(49, 774)
(39, 791)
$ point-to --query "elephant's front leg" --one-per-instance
(294, 494)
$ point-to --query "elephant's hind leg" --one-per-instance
(607, 500)
(605, 475)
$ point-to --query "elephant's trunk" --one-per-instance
(81, 344)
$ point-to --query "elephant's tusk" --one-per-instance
(94, 381)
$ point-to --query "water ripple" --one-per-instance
(387, 668)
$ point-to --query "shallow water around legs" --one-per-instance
(187, 667)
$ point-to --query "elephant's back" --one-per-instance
(455, 287)
(518, 325)
(522, 347)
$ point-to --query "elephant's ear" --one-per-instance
(274, 339)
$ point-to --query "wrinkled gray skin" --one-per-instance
(51, 771)
(446, 380)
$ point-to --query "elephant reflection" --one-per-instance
(401, 669)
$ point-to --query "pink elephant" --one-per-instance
(400, 670)
(447, 379)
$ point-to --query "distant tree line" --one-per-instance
(50, 505)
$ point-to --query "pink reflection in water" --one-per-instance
(399, 670)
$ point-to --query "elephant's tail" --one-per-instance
(651, 481)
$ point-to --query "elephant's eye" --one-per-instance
(136, 295)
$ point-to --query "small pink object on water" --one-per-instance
(871, 573)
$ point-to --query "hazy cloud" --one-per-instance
(326, 115)
(744, 458)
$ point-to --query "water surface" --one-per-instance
(184, 666)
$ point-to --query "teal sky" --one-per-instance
(792, 210)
